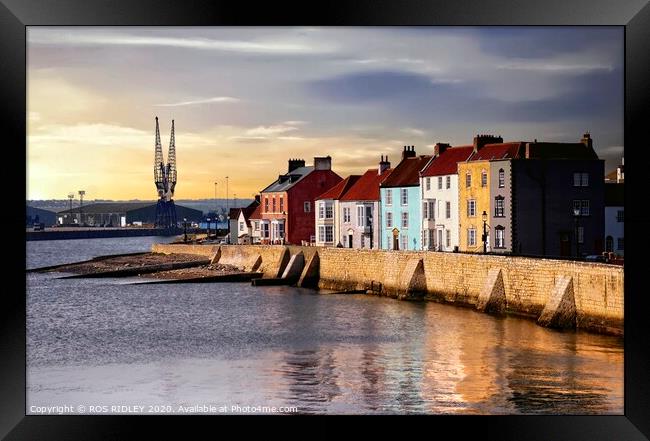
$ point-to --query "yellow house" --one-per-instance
(473, 200)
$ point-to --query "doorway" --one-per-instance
(565, 245)
(349, 241)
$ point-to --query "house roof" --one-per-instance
(614, 195)
(447, 162)
(339, 189)
(257, 213)
(505, 150)
(367, 187)
(559, 150)
(407, 172)
(288, 180)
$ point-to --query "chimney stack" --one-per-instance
(408, 152)
(295, 163)
(383, 164)
(482, 140)
(322, 163)
(587, 141)
(440, 148)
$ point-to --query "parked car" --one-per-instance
(595, 258)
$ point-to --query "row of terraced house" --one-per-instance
(533, 198)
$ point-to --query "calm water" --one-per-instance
(101, 342)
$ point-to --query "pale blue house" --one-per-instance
(401, 202)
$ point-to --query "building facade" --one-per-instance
(439, 188)
(359, 222)
(400, 203)
(329, 213)
(287, 213)
(614, 218)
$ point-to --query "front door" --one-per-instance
(349, 241)
(565, 244)
(439, 240)
(395, 239)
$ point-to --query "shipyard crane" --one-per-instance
(165, 180)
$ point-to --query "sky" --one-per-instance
(246, 99)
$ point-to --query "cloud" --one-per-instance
(555, 67)
(216, 99)
(270, 130)
(414, 132)
(268, 46)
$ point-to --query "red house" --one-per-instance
(287, 205)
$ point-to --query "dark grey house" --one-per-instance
(120, 214)
(558, 199)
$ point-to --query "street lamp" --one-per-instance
(208, 235)
(215, 198)
(185, 228)
(484, 217)
(370, 222)
(576, 217)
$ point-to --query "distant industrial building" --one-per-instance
(120, 214)
(39, 216)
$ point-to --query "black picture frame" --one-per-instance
(634, 15)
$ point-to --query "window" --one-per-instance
(581, 179)
(502, 178)
(448, 182)
(281, 204)
(307, 207)
(499, 237)
(329, 210)
(448, 233)
(471, 208)
(471, 237)
(499, 204)
(405, 196)
(404, 239)
(326, 233)
(389, 196)
(274, 205)
(428, 209)
(346, 214)
(448, 210)
(241, 225)
(619, 244)
(439, 182)
(483, 178)
(581, 234)
(405, 219)
(321, 210)
(389, 220)
(257, 226)
(361, 218)
(582, 206)
(266, 205)
(425, 210)
(265, 229)
(281, 230)
(468, 180)
(619, 216)
(431, 239)
(428, 183)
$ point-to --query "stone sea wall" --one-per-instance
(557, 293)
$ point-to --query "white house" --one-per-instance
(439, 187)
(328, 213)
(614, 218)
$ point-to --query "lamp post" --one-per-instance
(215, 198)
(370, 222)
(227, 200)
(208, 235)
(185, 229)
(71, 197)
(81, 206)
(576, 217)
(484, 217)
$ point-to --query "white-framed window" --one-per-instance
(580, 179)
(389, 196)
(582, 205)
(257, 225)
(428, 209)
(425, 210)
(499, 206)
(346, 214)
(448, 210)
(471, 207)
(281, 204)
(581, 234)
(405, 219)
(307, 207)
(431, 239)
(266, 231)
(448, 233)
(273, 204)
(428, 183)
(321, 210)
(620, 244)
(404, 193)
(471, 237)
(502, 178)
(448, 186)
(361, 216)
(404, 239)
(499, 237)
(439, 182)
(266, 204)
(389, 220)
(620, 216)
(468, 179)
(281, 230)
(483, 178)
(325, 233)
(329, 210)
(241, 226)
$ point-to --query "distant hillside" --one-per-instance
(205, 205)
